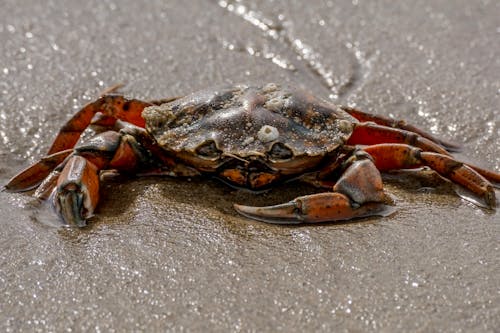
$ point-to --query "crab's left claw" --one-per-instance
(77, 192)
(321, 207)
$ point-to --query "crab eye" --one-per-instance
(208, 149)
(280, 152)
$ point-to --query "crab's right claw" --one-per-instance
(321, 207)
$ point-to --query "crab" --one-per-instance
(250, 137)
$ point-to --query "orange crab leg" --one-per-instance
(45, 172)
(372, 134)
(358, 193)
(33, 175)
(401, 124)
(113, 106)
(400, 156)
(73, 185)
(492, 176)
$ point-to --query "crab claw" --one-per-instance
(286, 213)
(76, 194)
(321, 207)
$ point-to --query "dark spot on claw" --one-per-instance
(126, 106)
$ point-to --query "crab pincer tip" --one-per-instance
(285, 213)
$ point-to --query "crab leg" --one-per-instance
(493, 177)
(112, 106)
(401, 124)
(372, 134)
(358, 193)
(400, 156)
(73, 184)
(33, 175)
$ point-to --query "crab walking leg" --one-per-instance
(493, 177)
(106, 112)
(400, 156)
(372, 134)
(33, 175)
(112, 106)
(358, 193)
(401, 124)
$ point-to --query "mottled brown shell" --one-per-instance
(248, 121)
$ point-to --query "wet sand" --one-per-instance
(172, 254)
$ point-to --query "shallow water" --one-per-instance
(173, 254)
